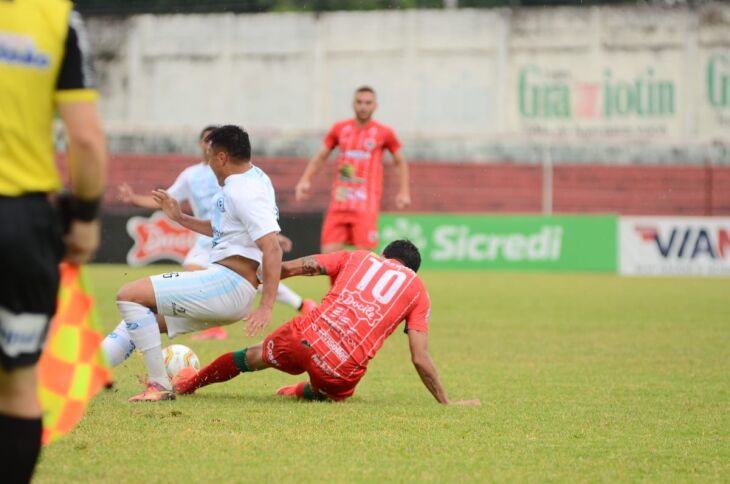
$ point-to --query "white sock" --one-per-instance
(118, 345)
(287, 296)
(141, 324)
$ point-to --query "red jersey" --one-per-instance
(359, 181)
(370, 296)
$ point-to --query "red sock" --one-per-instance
(222, 369)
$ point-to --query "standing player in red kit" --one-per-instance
(352, 217)
(335, 341)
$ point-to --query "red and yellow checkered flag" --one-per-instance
(72, 369)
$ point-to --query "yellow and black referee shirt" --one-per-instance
(44, 60)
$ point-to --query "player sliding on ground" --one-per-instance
(245, 251)
(335, 341)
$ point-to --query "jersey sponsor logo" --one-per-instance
(347, 174)
(341, 324)
(360, 155)
(158, 238)
(21, 50)
(687, 241)
(324, 366)
(270, 353)
(21, 333)
(369, 311)
(220, 205)
(340, 353)
(350, 194)
(178, 310)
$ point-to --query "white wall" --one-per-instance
(455, 84)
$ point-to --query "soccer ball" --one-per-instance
(177, 357)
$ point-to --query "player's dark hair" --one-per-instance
(365, 89)
(405, 252)
(231, 139)
(207, 130)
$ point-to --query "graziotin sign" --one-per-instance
(495, 242)
(717, 87)
(554, 101)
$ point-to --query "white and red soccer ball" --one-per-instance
(177, 357)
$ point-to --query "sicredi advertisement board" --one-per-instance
(570, 243)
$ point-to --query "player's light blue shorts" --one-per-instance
(195, 300)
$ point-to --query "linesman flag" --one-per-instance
(72, 368)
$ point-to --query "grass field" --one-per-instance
(581, 377)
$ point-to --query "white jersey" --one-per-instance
(243, 212)
(198, 185)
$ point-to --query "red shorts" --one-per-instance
(359, 229)
(285, 350)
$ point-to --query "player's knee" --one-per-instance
(134, 292)
(125, 293)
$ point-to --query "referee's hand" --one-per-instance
(81, 241)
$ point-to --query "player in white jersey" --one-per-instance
(196, 184)
(246, 251)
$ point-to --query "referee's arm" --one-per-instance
(76, 101)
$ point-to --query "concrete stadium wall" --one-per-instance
(481, 188)
(600, 84)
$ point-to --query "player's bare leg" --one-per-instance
(223, 368)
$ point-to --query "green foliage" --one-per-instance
(582, 378)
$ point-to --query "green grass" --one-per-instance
(581, 377)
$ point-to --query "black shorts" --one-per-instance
(30, 251)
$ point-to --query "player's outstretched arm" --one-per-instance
(271, 268)
(171, 207)
(301, 191)
(304, 266)
(126, 194)
(418, 343)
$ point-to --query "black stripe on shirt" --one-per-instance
(77, 67)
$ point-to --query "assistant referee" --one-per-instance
(45, 67)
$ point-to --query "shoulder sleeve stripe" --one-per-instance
(77, 67)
